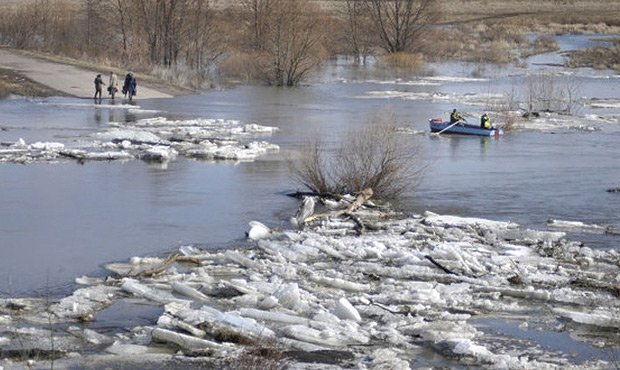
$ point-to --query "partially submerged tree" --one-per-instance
(356, 33)
(375, 156)
(399, 24)
(293, 42)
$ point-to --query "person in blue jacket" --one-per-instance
(130, 86)
(133, 87)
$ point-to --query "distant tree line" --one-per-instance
(277, 41)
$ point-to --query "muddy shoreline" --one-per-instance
(13, 82)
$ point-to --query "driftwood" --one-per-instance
(613, 289)
(165, 265)
(359, 201)
(384, 307)
(446, 270)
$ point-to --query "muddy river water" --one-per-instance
(66, 219)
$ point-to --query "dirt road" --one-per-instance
(65, 78)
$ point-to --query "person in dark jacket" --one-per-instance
(130, 86)
(133, 87)
(98, 86)
(126, 83)
(455, 116)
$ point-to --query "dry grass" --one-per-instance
(240, 66)
(533, 12)
(479, 43)
(527, 13)
(408, 62)
(597, 57)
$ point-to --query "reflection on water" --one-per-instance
(64, 220)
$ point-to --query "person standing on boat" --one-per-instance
(485, 122)
(455, 116)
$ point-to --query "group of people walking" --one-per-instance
(130, 86)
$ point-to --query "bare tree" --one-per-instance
(202, 41)
(257, 14)
(19, 25)
(148, 15)
(399, 24)
(293, 44)
(116, 16)
(356, 26)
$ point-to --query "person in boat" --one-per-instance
(485, 122)
(455, 116)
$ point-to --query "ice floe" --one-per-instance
(579, 226)
(374, 298)
(153, 139)
(479, 99)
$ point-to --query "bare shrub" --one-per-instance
(543, 91)
(312, 169)
(509, 123)
(375, 156)
(547, 92)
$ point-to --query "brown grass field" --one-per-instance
(539, 12)
(524, 12)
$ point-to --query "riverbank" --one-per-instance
(15, 83)
(38, 74)
(377, 290)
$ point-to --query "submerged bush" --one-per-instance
(375, 156)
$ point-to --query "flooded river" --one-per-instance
(62, 220)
